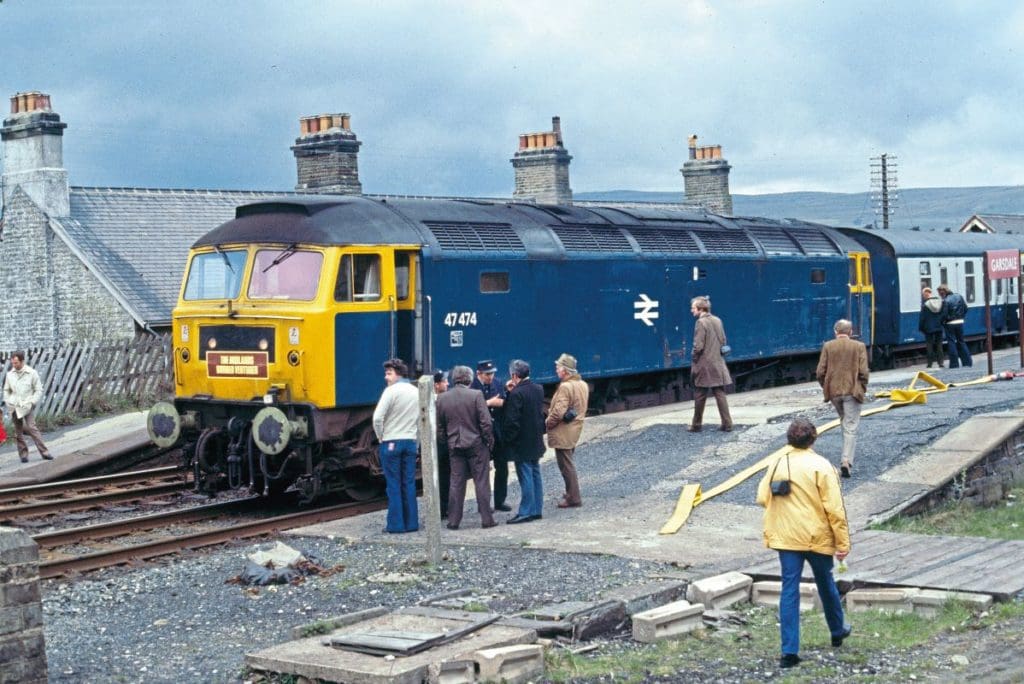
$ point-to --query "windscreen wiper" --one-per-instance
(288, 251)
(224, 256)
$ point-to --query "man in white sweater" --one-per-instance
(395, 421)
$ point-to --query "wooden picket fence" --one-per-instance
(75, 373)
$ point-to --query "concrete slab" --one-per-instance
(310, 658)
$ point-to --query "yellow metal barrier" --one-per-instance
(692, 496)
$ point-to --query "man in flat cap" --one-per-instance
(565, 423)
(494, 396)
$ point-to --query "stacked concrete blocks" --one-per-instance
(22, 646)
(510, 664)
(720, 591)
(924, 602)
(664, 622)
(769, 594)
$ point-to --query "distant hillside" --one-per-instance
(929, 208)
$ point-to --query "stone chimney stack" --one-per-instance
(542, 167)
(34, 154)
(326, 154)
(706, 177)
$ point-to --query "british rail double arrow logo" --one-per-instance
(646, 309)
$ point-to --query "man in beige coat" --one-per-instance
(707, 367)
(22, 392)
(565, 423)
(843, 374)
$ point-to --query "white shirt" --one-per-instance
(398, 412)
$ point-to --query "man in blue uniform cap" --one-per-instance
(494, 396)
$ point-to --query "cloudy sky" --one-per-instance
(800, 94)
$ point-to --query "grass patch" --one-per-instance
(1002, 521)
(753, 649)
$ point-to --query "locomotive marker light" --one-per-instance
(647, 309)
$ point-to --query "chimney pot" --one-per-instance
(325, 121)
(523, 144)
(346, 121)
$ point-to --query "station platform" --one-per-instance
(633, 465)
(75, 449)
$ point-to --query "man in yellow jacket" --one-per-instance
(805, 520)
(564, 424)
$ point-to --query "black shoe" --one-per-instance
(502, 507)
(837, 641)
(695, 428)
(452, 527)
(789, 660)
(520, 519)
(726, 428)
(46, 457)
(24, 459)
(845, 470)
(493, 523)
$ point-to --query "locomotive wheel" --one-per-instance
(363, 488)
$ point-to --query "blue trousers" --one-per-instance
(792, 564)
(398, 459)
(532, 500)
(958, 351)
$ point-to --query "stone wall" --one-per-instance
(22, 645)
(49, 295)
(707, 182)
(328, 164)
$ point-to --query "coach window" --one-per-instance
(494, 282)
(926, 274)
(358, 278)
(817, 276)
(969, 292)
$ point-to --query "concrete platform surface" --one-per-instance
(312, 659)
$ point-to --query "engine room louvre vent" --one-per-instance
(814, 241)
(775, 241)
(592, 239)
(476, 237)
(660, 240)
(726, 241)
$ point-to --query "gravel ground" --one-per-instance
(180, 622)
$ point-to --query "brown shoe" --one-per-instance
(726, 428)
(46, 457)
(695, 428)
(566, 504)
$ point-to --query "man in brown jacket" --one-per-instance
(707, 367)
(464, 423)
(565, 423)
(843, 374)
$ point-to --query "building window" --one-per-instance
(817, 276)
(494, 282)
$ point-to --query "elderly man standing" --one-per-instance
(707, 367)
(523, 431)
(565, 424)
(396, 422)
(843, 375)
(464, 423)
(22, 392)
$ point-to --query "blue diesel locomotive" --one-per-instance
(287, 311)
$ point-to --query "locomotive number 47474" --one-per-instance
(460, 318)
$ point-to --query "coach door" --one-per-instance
(861, 305)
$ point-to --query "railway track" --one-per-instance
(56, 564)
(88, 493)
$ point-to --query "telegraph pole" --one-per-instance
(884, 193)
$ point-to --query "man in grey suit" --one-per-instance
(464, 424)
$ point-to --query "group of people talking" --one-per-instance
(480, 420)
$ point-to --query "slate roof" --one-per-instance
(997, 223)
(136, 240)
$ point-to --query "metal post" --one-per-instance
(428, 465)
(988, 318)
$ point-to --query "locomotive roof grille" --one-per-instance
(592, 239)
(726, 242)
(476, 237)
(659, 240)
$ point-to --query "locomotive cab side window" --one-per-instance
(358, 278)
(215, 275)
(817, 276)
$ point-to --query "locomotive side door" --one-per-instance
(365, 326)
(407, 317)
(861, 305)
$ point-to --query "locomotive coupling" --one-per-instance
(272, 430)
(164, 424)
